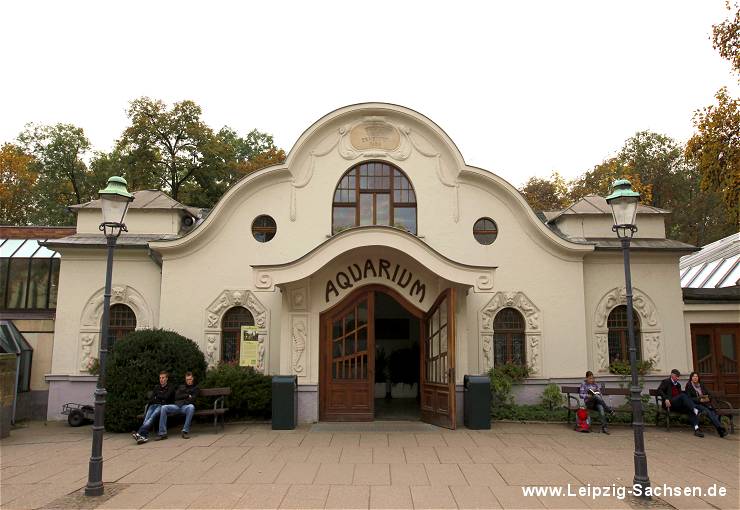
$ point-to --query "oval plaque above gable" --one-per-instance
(375, 134)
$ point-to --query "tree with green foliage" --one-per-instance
(59, 153)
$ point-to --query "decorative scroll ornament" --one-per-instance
(214, 315)
(86, 359)
(375, 137)
(652, 348)
(618, 296)
(602, 352)
(487, 344)
(299, 333)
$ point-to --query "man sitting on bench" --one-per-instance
(592, 395)
(674, 399)
(184, 404)
(162, 394)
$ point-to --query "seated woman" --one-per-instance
(699, 394)
(591, 394)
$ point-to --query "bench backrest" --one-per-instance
(607, 391)
(214, 392)
(654, 392)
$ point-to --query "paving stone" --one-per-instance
(432, 497)
(265, 472)
(474, 497)
(485, 454)
(262, 496)
(335, 474)
(385, 455)
(445, 474)
(372, 474)
(305, 496)
(356, 455)
(409, 474)
(458, 438)
(324, 454)
(512, 498)
(345, 439)
(134, 496)
(373, 439)
(298, 473)
(420, 455)
(481, 475)
(430, 439)
(226, 454)
(220, 495)
(452, 455)
(390, 497)
(150, 472)
(177, 496)
(401, 439)
(343, 496)
(535, 474)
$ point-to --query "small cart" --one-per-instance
(77, 414)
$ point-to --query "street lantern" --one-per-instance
(114, 202)
(623, 201)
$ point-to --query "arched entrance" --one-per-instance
(347, 357)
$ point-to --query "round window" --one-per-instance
(485, 231)
(264, 228)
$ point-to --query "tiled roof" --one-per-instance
(594, 204)
(717, 265)
(147, 199)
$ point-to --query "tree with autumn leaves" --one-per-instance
(168, 148)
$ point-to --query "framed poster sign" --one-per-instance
(249, 347)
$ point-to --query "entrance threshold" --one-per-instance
(373, 426)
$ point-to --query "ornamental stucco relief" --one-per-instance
(533, 327)
(299, 340)
(214, 314)
(376, 137)
(92, 313)
(650, 327)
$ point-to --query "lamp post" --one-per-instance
(114, 200)
(623, 202)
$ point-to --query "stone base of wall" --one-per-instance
(69, 388)
(308, 403)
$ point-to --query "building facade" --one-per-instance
(375, 231)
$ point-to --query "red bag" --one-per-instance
(583, 421)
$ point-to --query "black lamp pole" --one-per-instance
(114, 200)
(638, 426)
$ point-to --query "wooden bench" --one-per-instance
(573, 402)
(721, 407)
(218, 409)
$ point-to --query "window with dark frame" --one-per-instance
(121, 322)
(28, 283)
(231, 330)
(485, 231)
(619, 336)
(264, 228)
(508, 338)
(374, 193)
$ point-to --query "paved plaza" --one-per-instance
(384, 466)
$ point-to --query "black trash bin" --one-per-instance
(284, 402)
(477, 415)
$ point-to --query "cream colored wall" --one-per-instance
(138, 221)
(651, 226)
(81, 280)
(40, 335)
(654, 276)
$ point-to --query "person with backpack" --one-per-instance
(591, 394)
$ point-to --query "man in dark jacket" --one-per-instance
(184, 404)
(162, 394)
(674, 399)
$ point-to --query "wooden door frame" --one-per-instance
(451, 351)
(347, 302)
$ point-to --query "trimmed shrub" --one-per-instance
(503, 377)
(133, 367)
(551, 397)
(251, 391)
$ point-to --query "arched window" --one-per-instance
(508, 338)
(121, 322)
(619, 341)
(231, 327)
(374, 193)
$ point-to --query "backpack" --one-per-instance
(583, 420)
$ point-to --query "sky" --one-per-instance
(522, 88)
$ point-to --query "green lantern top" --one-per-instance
(117, 186)
(622, 188)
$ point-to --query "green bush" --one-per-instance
(620, 367)
(133, 367)
(503, 378)
(552, 398)
(251, 391)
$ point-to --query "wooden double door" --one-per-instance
(716, 348)
(347, 358)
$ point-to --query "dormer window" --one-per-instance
(374, 193)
